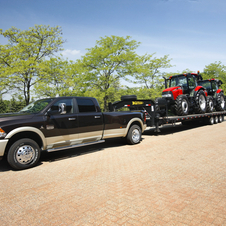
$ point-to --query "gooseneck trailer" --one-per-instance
(157, 113)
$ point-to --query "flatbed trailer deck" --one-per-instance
(174, 119)
(154, 118)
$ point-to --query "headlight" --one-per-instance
(2, 133)
(166, 95)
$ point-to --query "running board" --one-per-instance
(75, 146)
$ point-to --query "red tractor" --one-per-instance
(216, 95)
(184, 95)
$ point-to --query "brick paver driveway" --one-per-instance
(175, 178)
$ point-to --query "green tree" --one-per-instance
(215, 70)
(22, 59)
(148, 73)
(62, 78)
(3, 105)
(108, 62)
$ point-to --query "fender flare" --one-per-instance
(27, 129)
(200, 88)
(219, 91)
(143, 127)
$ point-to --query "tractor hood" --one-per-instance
(171, 89)
(172, 92)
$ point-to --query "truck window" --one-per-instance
(86, 105)
(67, 101)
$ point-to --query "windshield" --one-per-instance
(209, 85)
(178, 81)
(36, 106)
(205, 84)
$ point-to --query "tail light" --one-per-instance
(145, 116)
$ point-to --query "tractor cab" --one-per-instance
(216, 95)
(181, 84)
(212, 86)
(183, 94)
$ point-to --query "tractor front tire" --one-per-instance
(220, 106)
(182, 105)
(209, 103)
(201, 103)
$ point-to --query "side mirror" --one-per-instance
(165, 82)
(62, 108)
(54, 110)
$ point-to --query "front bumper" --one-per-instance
(3, 144)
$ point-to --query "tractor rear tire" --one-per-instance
(182, 105)
(220, 106)
(200, 101)
(209, 103)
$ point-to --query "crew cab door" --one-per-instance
(62, 124)
(90, 121)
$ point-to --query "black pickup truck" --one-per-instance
(60, 123)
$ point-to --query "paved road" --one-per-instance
(175, 178)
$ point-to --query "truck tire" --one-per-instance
(200, 101)
(129, 97)
(220, 106)
(134, 135)
(216, 119)
(182, 105)
(209, 103)
(23, 154)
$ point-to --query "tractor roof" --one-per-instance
(186, 74)
(213, 80)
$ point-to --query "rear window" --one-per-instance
(86, 105)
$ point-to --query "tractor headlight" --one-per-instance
(167, 95)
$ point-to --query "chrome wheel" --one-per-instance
(136, 136)
(211, 105)
(184, 106)
(222, 102)
(202, 102)
(25, 154)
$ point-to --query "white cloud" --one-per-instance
(70, 52)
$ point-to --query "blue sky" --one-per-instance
(191, 32)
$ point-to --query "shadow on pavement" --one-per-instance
(170, 129)
(113, 142)
(70, 153)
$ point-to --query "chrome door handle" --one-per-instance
(71, 119)
(97, 117)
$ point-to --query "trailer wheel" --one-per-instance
(129, 97)
(182, 105)
(220, 106)
(220, 119)
(23, 154)
(216, 119)
(200, 101)
(210, 120)
(209, 103)
(134, 135)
